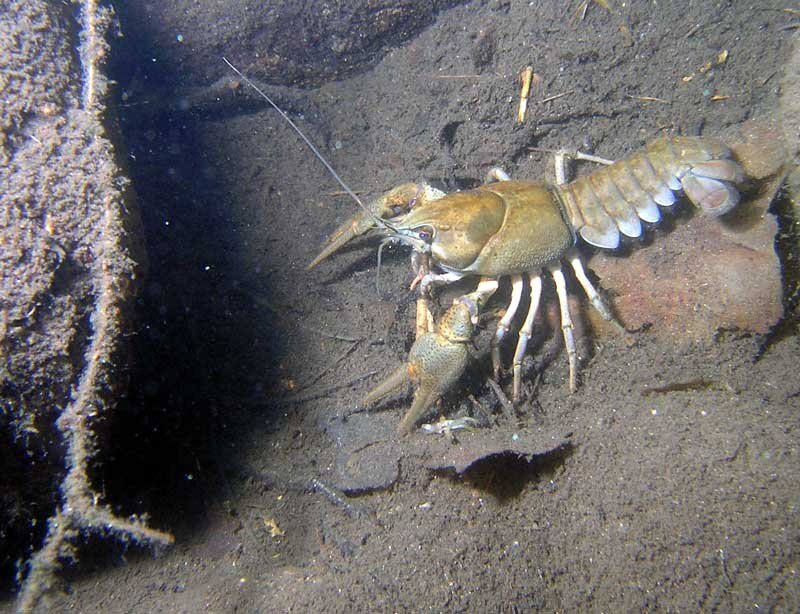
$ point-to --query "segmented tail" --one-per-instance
(615, 199)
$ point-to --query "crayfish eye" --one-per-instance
(426, 234)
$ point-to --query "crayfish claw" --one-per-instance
(352, 228)
(396, 201)
(424, 398)
(400, 376)
(436, 361)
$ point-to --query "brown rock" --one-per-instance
(284, 43)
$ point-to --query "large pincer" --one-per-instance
(436, 361)
(393, 203)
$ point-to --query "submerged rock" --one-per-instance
(70, 263)
(286, 43)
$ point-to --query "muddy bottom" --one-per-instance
(668, 480)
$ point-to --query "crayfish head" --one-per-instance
(454, 229)
(418, 238)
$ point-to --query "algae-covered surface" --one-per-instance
(667, 481)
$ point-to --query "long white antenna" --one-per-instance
(316, 152)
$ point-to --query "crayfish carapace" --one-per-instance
(521, 229)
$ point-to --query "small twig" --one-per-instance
(768, 77)
(542, 150)
(508, 408)
(647, 98)
(724, 569)
(556, 97)
(337, 498)
(325, 392)
(579, 14)
(323, 333)
(320, 375)
(480, 409)
(525, 78)
(693, 30)
(343, 193)
(537, 381)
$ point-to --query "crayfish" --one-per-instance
(520, 229)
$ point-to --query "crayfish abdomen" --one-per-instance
(612, 200)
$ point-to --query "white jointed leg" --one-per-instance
(591, 291)
(566, 324)
(497, 174)
(477, 299)
(525, 333)
(505, 322)
(563, 155)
